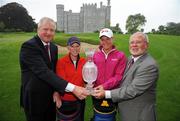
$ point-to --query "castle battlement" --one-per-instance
(89, 19)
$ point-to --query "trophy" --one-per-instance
(89, 70)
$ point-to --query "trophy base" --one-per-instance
(89, 88)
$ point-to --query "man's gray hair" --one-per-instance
(141, 34)
(46, 19)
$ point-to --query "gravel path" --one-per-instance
(63, 50)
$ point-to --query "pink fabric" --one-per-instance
(110, 70)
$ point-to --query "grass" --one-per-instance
(165, 49)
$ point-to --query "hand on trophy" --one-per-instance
(80, 92)
(99, 92)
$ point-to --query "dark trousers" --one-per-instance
(71, 111)
(47, 115)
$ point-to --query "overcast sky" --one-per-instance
(157, 12)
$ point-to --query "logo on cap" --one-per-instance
(106, 32)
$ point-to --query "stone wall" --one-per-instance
(90, 19)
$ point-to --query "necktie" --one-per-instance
(47, 47)
(131, 62)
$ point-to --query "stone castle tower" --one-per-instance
(89, 19)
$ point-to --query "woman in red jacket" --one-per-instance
(69, 68)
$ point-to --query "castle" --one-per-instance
(90, 19)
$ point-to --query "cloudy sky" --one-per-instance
(157, 12)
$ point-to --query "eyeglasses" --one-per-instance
(136, 42)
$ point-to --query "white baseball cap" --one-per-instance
(106, 32)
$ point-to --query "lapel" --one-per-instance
(134, 66)
(38, 40)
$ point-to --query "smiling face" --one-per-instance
(106, 43)
(46, 31)
(74, 49)
(138, 44)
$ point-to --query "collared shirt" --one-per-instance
(136, 58)
(44, 43)
(108, 92)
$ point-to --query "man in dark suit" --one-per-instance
(136, 96)
(38, 57)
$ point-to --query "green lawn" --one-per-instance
(165, 49)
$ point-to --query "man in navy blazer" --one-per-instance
(38, 57)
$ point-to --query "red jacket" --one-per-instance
(66, 70)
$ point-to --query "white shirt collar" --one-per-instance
(44, 43)
(136, 58)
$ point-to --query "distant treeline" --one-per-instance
(171, 28)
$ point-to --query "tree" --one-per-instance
(116, 29)
(134, 22)
(142, 30)
(173, 28)
(15, 16)
(161, 29)
(153, 31)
